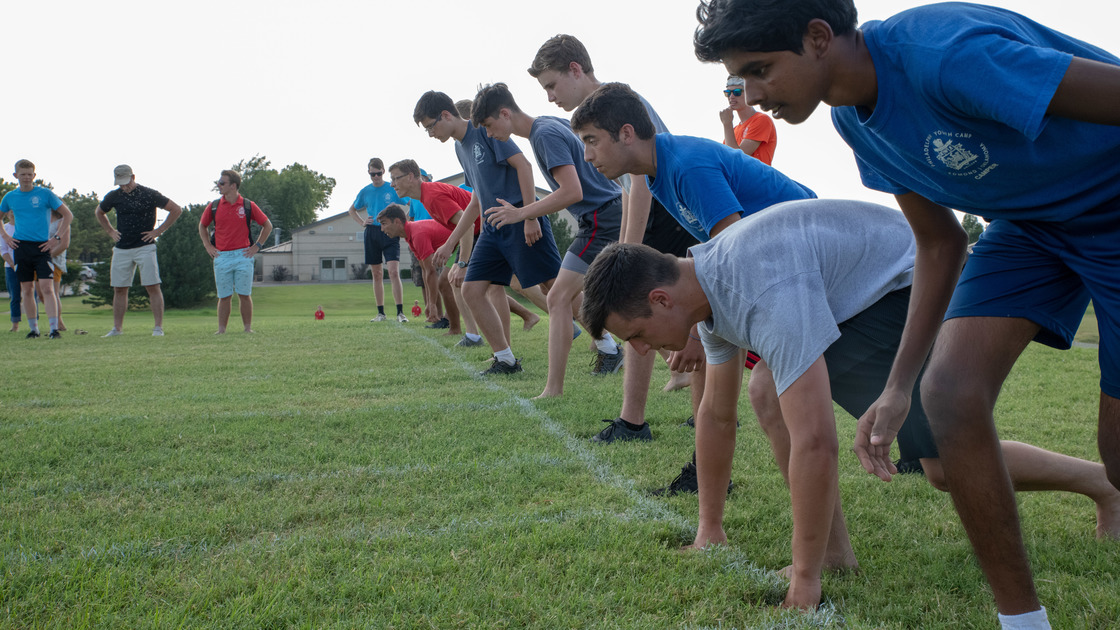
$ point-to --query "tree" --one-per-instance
(973, 227)
(7, 186)
(186, 269)
(289, 197)
(561, 232)
(88, 242)
(101, 292)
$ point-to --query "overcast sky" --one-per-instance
(182, 90)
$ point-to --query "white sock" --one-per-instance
(606, 344)
(472, 337)
(33, 322)
(1027, 621)
(505, 356)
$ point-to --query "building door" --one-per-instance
(332, 270)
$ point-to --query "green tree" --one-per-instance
(289, 197)
(5, 186)
(72, 277)
(101, 292)
(186, 269)
(562, 232)
(88, 242)
(973, 227)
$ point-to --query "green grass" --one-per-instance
(347, 474)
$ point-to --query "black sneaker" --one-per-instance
(466, 342)
(685, 482)
(910, 467)
(34, 334)
(501, 367)
(443, 323)
(604, 363)
(619, 431)
(54, 335)
(691, 422)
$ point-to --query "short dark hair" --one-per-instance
(25, 164)
(392, 212)
(375, 163)
(765, 25)
(407, 166)
(234, 178)
(558, 53)
(431, 105)
(489, 102)
(619, 281)
(611, 106)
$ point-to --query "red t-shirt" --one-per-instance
(759, 128)
(319, 314)
(231, 232)
(416, 312)
(442, 201)
(425, 237)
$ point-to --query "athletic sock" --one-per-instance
(53, 322)
(632, 427)
(33, 323)
(400, 309)
(1027, 621)
(380, 310)
(505, 356)
(606, 344)
(472, 337)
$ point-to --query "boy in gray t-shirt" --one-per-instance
(819, 289)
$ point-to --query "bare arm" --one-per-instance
(63, 233)
(568, 192)
(942, 244)
(636, 210)
(749, 146)
(1089, 91)
(358, 218)
(173, 214)
(715, 447)
(103, 219)
(463, 234)
(520, 163)
(204, 234)
(807, 408)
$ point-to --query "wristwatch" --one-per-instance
(462, 264)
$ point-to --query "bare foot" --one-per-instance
(699, 547)
(829, 566)
(548, 394)
(15, 328)
(679, 380)
(531, 321)
(454, 333)
(220, 332)
(61, 326)
(1108, 518)
(250, 330)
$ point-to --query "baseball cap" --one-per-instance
(122, 175)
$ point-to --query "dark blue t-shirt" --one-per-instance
(484, 164)
(555, 144)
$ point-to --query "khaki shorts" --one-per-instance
(125, 262)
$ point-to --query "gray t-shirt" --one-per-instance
(779, 281)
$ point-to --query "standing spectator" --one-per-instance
(10, 276)
(233, 247)
(755, 133)
(135, 242)
(374, 198)
(30, 206)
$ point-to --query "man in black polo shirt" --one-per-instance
(135, 238)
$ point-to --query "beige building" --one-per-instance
(333, 249)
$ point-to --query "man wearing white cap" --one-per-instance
(135, 242)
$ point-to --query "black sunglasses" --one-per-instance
(376, 173)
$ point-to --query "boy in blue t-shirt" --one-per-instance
(982, 110)
(594, 201)
(31, 243)
(498, 172)
(375, 197)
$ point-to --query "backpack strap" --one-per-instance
(214, 219)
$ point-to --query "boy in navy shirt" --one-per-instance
(981, 110)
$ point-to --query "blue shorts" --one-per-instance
(233, 272)
(1047, 272)
(380, 247)
(501, 254)
(594, 231)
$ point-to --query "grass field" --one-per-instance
(345, 474)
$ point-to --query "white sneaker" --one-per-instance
(112, 333)
(401, 318)
(380, 318)
(157, 332)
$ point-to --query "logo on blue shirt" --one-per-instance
(959, 152)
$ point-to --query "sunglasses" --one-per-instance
(376, 173)
(735, 91)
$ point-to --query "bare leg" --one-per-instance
(46, 292)
(839, 555)
(477, 294)
(1108, 437)
(378, 280)
(120, 305)
(394, 267)
(529, 317)
(245, 302)
(501, 301)
(636, 373)
(58, 299)
(468, 317)
(451, 308)
(27, 300)
(225, 305)
(534, 294)
(561, 297)
(969, 364)
(155, 298)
